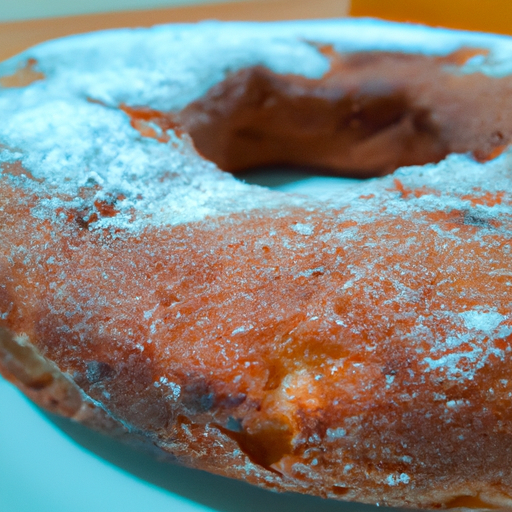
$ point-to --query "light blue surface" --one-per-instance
(11, 10)
(43, 469)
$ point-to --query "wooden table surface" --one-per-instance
(489, 15)
(17, 36)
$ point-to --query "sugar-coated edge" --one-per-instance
(62, 138)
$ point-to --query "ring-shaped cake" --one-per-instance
(356, 348)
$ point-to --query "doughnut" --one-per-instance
(355, 347)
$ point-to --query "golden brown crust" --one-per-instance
(241, 407)
(43, 382)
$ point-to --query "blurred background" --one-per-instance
(26, 9)
(491, 15)
(27, 22)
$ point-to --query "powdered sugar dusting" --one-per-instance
(484, 321)
(472, 344)
(88, 151)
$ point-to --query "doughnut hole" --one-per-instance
(370, 114)
(261, 119)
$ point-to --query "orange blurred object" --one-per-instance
(486, 16)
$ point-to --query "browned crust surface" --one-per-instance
(389, 435)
